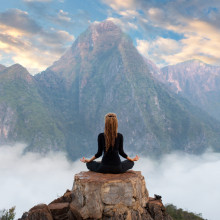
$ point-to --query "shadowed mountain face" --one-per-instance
(196, 81)
(103, 72)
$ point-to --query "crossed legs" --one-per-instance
(98, 167)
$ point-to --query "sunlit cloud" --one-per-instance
(143, 47)
(19, 20)
(156, 15)
(201, 41)
(28, 43)
(129, 13)
(159, 49)
(120, 5)
(62, 18)
(198, 28)
(191, 28)
(62, 15)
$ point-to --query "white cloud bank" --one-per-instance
(187, 181)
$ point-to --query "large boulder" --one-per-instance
(97, 195)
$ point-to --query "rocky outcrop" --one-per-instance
(157, 210)
(98, 195)
(103, 196)
(40, 211)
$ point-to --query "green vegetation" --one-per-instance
(180, 214)
(7, 214)
(32, 120)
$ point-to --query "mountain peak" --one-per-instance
(2, 67)
(105, 26)
(100, 39)
(186, 62)
(16, 71)
(195, 62)
(101, 32)
(17, 66)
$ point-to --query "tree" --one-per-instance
(180, 214)
(7, 214)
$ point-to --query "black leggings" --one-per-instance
(101, 168)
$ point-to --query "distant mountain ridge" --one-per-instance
(103, 72)
(195, 80)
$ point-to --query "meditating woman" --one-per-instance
(111, 142)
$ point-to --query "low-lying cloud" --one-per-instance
(187, 181)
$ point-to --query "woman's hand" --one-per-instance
(136, 158)
(84, 160)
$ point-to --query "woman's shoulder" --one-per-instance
(101, 134)
(120, 135)
(101, 137)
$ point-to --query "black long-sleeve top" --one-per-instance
(111, 157)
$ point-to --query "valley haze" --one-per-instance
(190, 182)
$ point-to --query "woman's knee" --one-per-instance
(93, 165)
(131, 163)
(126, 165)
(89, 164)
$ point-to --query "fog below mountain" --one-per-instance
(188, 181)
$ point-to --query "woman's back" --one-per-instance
(111, 157)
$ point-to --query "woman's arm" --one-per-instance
(99, 152)
(93, 158)
(100, 147)
(123, 154)
(84, 160)
(134, 159)
(129, 158)
(121, 150)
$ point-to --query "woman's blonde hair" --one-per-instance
(111, 129)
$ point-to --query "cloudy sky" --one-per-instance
(35, 33)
